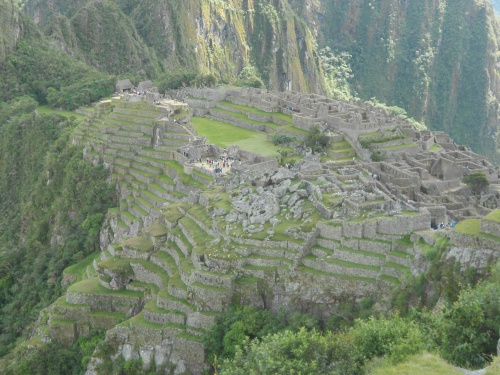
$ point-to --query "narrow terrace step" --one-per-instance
(137, 211)
(132, 119)
(134, 183)
(267, 261)
(166, 182)
(122, 162)
(153, 199)
(212, 279)
(142, 176)
(336, 266)
(175, 251)
(147, 168)
(147, 160)
(168, 302)
(120, 132)
(151, 114)
(193, 232)
(177, 287)
(155, 314)
(129, 219)
(160, 192)
(332, 275)
(181, 241)
(147, 272)
(155, 154)
(164, 260)
(138, 141)
(358, 257)
(246, 250)
(144, 204)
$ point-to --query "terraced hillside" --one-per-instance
(185, 242)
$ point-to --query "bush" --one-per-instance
(175, 80)
(316, 141)
(287, 352)
(279, 139)
(477, 182)
(249, 77)
(392, 337)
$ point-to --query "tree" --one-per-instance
(316, 141)
(249, 77)
(477, 182)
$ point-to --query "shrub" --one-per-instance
(477, 182)
(279, 139)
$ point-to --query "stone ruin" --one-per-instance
(183, 241)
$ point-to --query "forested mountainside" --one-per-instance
(435, 59)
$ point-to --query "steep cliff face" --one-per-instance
(205, 36)
(98, 33)
(11, 28)
(436, 59)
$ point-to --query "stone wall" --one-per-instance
(146, 276)
(463, 240)
(404, 225)
(100, 302)
(490, 227)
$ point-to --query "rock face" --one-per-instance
(11, 28)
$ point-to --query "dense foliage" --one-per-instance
(477, 182)
(464, 331)
(53, 358)
(49, 75)
(47, 193)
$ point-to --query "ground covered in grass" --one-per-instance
(225, 135)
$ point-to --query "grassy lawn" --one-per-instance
(279, 115)
(224, 135)
(424, 363)
(46, 110)
(493, 216)
(92, 286)
(435, 148)
(79, 269)
(472, 227)
(469, 226)
(141, 244)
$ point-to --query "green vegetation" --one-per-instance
(279, 139)
(493, 216)
(249, 77)
(224, 135)
(51, 76)
(316, 141)
(469, 226)
(46, 191)
(53, 358)
(477, 182)
(240, 342)
(425, 363)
